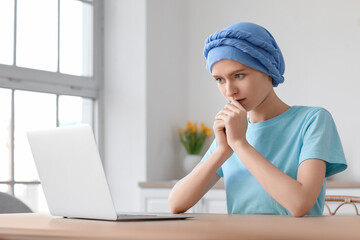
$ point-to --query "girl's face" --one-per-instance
(238, 82)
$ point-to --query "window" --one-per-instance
(48, 77)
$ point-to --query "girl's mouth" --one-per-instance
(241, 100)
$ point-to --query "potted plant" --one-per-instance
(193, 140)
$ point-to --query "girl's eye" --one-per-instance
(239, 75)
(219, 80)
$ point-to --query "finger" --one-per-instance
(219, 124)
(225, 107)
(232, 107)
(219, 117)
(227, 111)
(237, 104)
(222, 117)
(224, 114)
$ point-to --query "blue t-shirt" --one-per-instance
(286, 141)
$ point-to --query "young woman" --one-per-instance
(274, 158)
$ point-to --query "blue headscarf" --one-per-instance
(249, 44)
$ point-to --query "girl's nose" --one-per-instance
(231, 90)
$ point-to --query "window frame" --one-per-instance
(14, 77)
(18, 78)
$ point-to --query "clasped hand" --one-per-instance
(230, 126)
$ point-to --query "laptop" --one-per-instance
(73, 178)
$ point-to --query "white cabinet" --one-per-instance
(156, 203)
(156, 200)
(214, 201)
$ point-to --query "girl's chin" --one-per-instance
(247, 108)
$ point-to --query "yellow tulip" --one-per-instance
(194, 127)
(208, 132)
(181, 131)
(189, 126)
(202, 127)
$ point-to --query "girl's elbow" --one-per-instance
(174, 207)
(174, 210)
(300, 210)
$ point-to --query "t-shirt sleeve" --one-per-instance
(211, 149)
(321, 140)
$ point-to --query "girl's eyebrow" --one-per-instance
(216, 76)
(232, 73)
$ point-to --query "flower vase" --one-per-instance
(190, 161)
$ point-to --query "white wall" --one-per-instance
(166, 86)
(144, 94)
(125, 99)
(155, 76)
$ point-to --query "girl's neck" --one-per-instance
(271, 107)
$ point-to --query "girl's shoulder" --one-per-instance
(308, 112)
(318, 117)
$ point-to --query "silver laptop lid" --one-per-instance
(71, 172)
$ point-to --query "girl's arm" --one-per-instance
(191, 188)
(297, 196)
